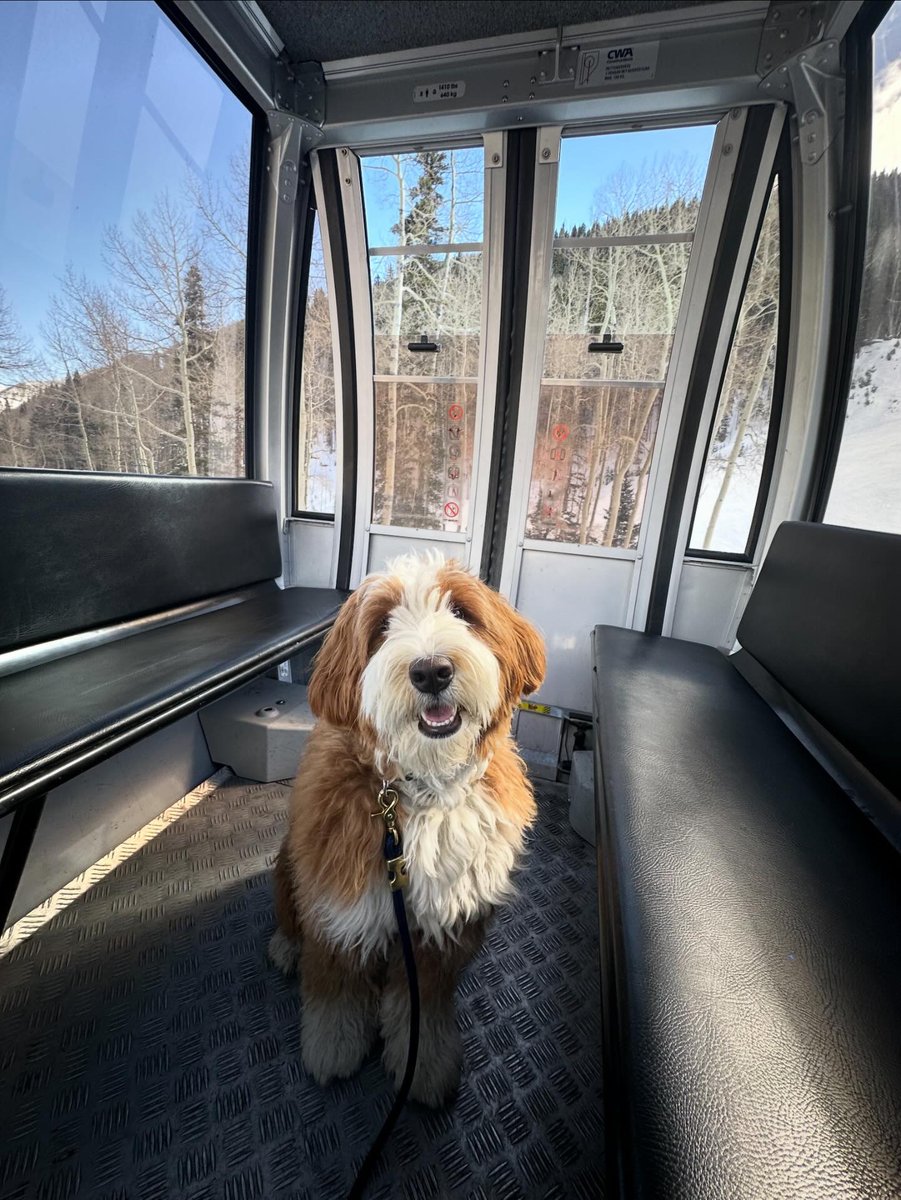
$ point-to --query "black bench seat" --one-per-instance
(751, 929)
(63, 715)
(126, 603)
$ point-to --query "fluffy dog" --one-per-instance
(415, 685)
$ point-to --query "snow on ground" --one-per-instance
(731, 533)
(866, 492)
(18, 393)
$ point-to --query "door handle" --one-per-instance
(605, 346)
(424, 346)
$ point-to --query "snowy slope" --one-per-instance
(866, 491)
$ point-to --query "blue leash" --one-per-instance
(397, 878)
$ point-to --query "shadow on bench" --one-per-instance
(128, 602)
(750, 888)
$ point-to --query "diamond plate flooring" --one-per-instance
(148, 1051)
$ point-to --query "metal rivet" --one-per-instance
(783, 33)
(344, 152)
(727, 149)
(505, 99)
(347, 180)
(519, 118)
(531, 95)
(542, 74)
(736, 113)
(545, 153)
(532, 80)
(811, 158)
(506, 83)
(495, 158)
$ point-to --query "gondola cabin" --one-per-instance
(495, 409)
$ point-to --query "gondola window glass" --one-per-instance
(316, 433)
(627, 205)
(733, 469)
(124, 176)
(424, 218)
(866, 489)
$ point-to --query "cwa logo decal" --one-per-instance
(632, 63)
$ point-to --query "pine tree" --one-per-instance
(200, 361)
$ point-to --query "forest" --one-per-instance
(145, 371)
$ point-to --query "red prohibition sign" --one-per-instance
(455, 412)
(452, 509)
(560, 433)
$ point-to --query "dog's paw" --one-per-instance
(284, 953)
(335, 1037)
(440, 1058)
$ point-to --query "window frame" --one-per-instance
(465, 534)
(781, 174)
(307, 220)
(255, 212)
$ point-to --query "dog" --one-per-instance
(415, 686)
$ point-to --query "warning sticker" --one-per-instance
(427, 93)
(632, 62)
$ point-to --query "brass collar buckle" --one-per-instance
(394, 851)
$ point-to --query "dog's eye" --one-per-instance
(459, 612)
(385, 626)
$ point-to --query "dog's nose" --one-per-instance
(431, 675)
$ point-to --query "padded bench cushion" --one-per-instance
(49, 712)
(752, 955)
(823, 620)
(83, 550)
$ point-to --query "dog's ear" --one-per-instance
(531, 655)
(334, 690)
(525, 657)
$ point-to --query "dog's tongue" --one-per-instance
(439, 714)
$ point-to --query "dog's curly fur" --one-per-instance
(465, 804)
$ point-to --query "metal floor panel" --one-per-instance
(149, 1051)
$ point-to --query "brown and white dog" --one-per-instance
(415, 684)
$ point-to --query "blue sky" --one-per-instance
(103, 105)
(588, 166)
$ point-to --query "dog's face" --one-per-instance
(425, 660)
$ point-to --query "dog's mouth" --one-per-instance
(440, 720)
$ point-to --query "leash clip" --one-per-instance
(394, 851)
